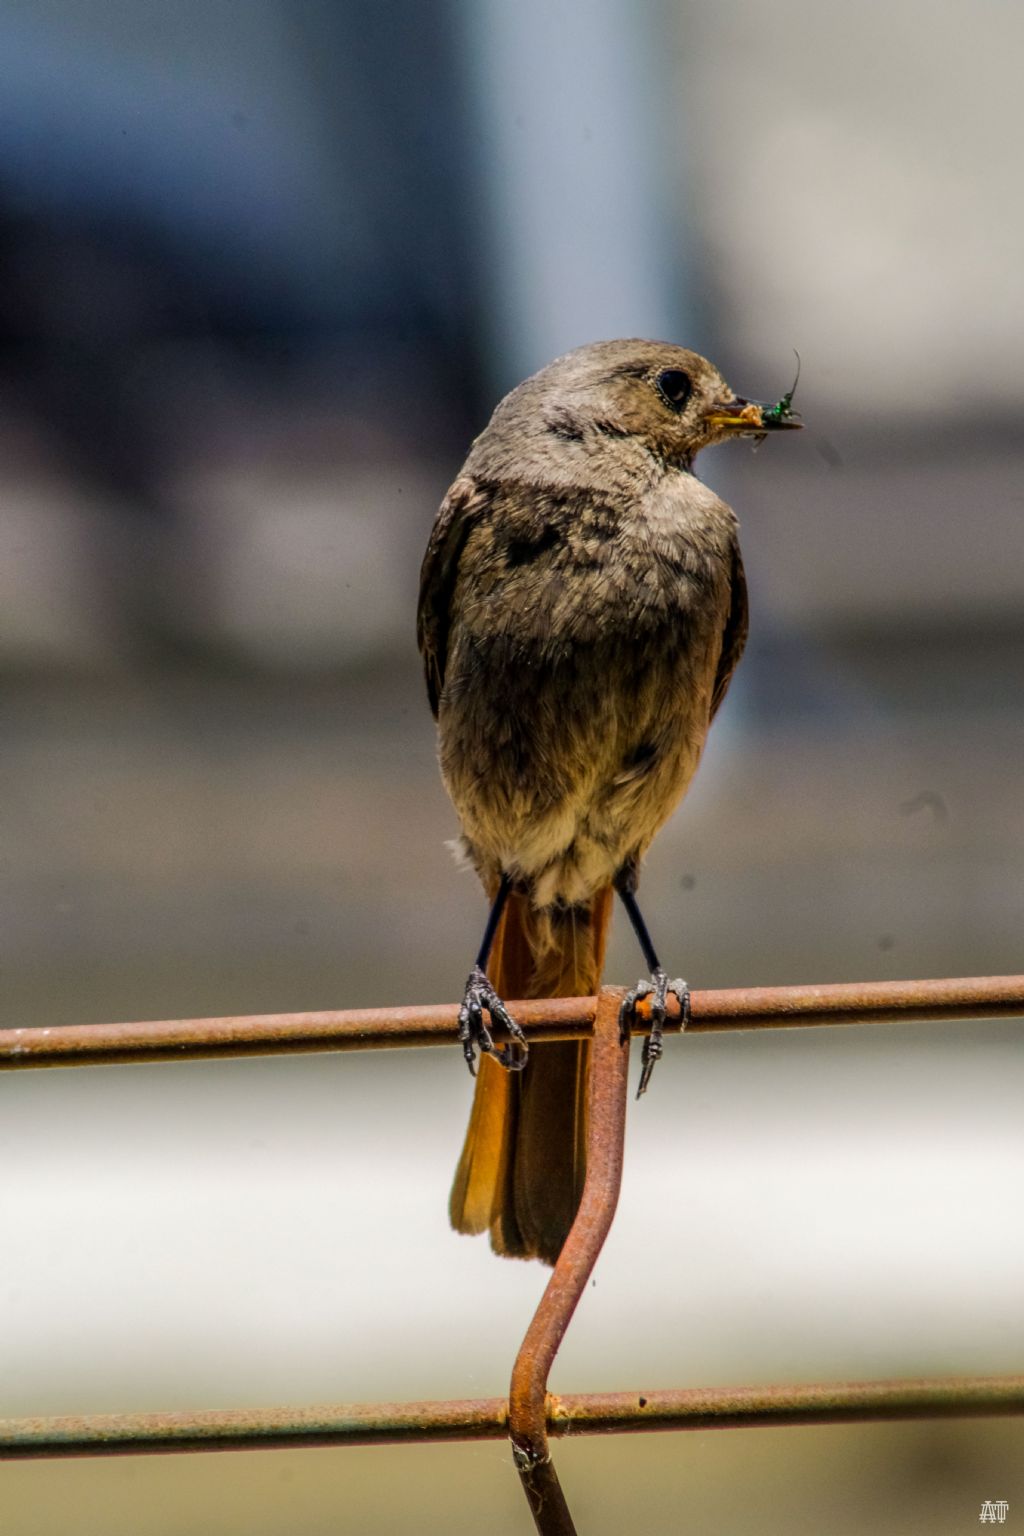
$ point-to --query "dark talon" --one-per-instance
(658, 989)
(474, 1033)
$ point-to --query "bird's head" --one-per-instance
(670, 399)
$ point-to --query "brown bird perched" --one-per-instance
(582, 609)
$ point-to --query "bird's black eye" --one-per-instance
(675, 387)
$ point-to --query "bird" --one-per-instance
(582, 609)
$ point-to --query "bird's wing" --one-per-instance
(456, 515)
(734, 636)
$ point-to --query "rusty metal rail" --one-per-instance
(531, 1414)
(591, 1413)
(370, 1029)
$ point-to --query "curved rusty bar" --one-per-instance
(528, 1407)
(368, 1029)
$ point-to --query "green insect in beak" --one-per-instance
(776, 415)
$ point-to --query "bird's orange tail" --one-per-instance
(521, 1172)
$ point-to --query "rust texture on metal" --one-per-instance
(606, 1129)
(743, 1008)
(487, 1418)
(860, 1002)
(357, 1029)
(253, 1429)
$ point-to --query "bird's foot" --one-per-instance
(474, 1033)
(657, 989)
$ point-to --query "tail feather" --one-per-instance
(483, 1166)
(523, 1163)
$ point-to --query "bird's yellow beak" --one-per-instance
(741, 417)
(736, 415)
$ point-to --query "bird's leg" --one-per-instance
(480, 995)
(657, 988)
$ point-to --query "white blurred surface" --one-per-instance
(842, 1203)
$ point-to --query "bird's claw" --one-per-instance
(474, 1034)
(657, 989)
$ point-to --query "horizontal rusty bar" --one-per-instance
(356, 1029)
(362, 1029)
(859, 1002)
(487, 1418)
(252, 1429)
(847, 1402)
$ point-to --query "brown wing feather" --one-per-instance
(734, 636)
(438, 575)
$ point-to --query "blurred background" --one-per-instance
(264, 270)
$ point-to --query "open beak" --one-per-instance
(750, 417)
